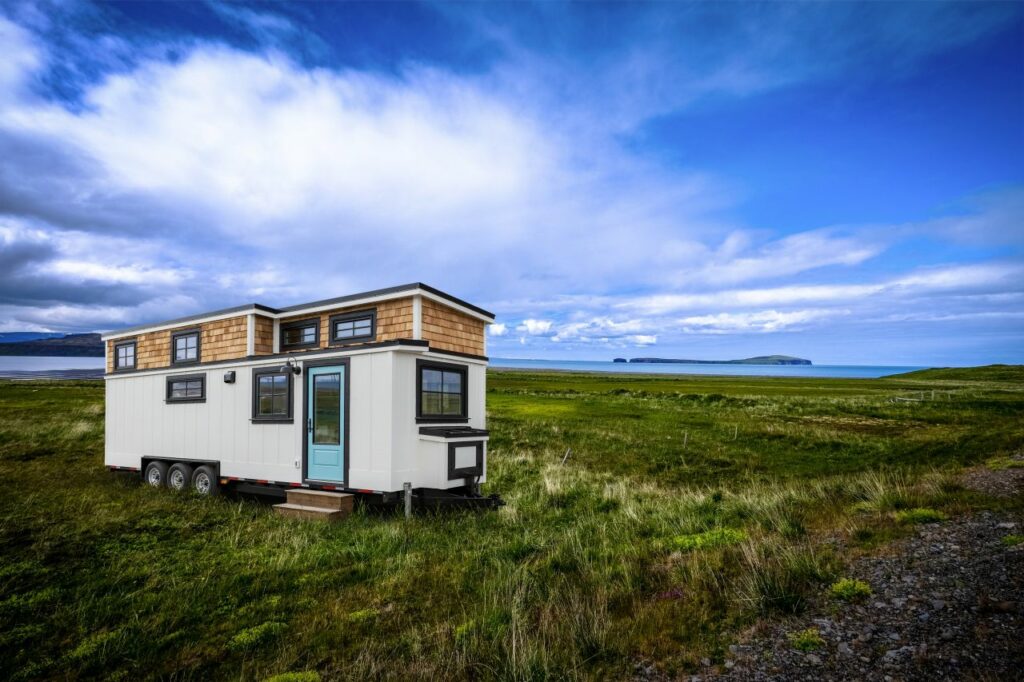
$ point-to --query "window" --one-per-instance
(354, 327)
(465, 459)
(271, 395)
(441, 390)
(185, 347)
(124, 355)
(301, 334)
(186, 389)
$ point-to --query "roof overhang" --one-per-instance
(365, 298)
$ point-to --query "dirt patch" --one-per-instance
(1001, 478)
(1005, 483)
(945, 605)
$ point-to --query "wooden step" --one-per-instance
(321, 498)
(299, 511)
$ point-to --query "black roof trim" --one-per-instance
(192, 318)
(303, 306)
(453, 299)
(383, 292)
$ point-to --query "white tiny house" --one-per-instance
(359, 394)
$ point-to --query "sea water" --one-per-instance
(834, 371)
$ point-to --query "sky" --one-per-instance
(842, 182)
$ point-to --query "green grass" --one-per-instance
(998, 373)
(716, 537)
(1012, 540)
(688, 508)
(850, 589)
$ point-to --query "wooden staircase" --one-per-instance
(316, 505)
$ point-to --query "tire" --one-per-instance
(155, 474)
(204, 481)
(179, 476)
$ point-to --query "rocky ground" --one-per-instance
(946, 604)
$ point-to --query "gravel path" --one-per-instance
(946, 606)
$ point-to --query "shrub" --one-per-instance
(716, 537)
(850, 589)
(254, 636)
(304, 676)
(362, 615)
(94, 647)
(806, 640)
(1000, 463)
(920, 515)
(464, 631)
(779, 579)
(1012, 540)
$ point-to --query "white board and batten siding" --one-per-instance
(385, 448)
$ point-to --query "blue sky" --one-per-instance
(838, 181)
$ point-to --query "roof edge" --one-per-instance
(339, 300)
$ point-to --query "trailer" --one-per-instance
(358, 397)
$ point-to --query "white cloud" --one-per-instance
(535, 327)
(643, 339)
(127, 274)
(21, 58)
(790, 255)
(230, 176)
(1003, 276)
(761, 321)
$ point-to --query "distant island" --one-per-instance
(759, 360)
(71, 345)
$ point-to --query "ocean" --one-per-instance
(834, 371)
(11, 365)
(44, 367)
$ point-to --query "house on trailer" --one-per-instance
(360, 394)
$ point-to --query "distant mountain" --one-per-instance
(759, 360)
(71, 345)
(14, 337)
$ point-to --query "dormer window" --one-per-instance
(301, 334)
(354, 327)
(185, 347)
(124, 355)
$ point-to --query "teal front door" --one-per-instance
(325, 425)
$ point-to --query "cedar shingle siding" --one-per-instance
(448, 329)
(394, 320)
(218, 340)
(443, 327)
(224, 339)
(264, 336)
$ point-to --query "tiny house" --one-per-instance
(359, 394)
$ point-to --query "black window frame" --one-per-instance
(258, 418)
(310, 322)
(350, 316)
(199, 346)
(174, 378)
(135, 355)
(477, 469)
(422, 418)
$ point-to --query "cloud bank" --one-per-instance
(146, 176)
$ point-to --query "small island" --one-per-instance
(759, 360)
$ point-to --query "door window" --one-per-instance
(327, 409)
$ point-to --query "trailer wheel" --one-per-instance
(204, 481)
(179, 476)
(156, 474)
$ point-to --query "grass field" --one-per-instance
(688, 508)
